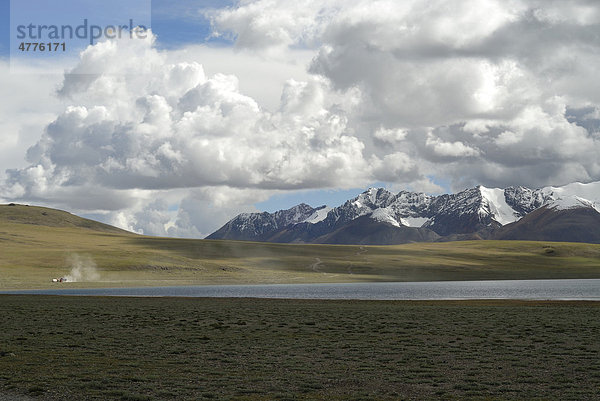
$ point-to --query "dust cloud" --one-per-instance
(83, 268)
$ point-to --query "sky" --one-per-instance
(4, 27)
(258, 105)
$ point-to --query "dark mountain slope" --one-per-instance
(366, 231)
(548, 224)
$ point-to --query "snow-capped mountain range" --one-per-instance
(378, 216)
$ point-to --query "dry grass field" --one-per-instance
(38, 244)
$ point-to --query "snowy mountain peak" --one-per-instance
(374, 198)
(475, 210)
(572, 202)
(295, 214)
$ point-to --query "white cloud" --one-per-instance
(450, 149)
(390, 136)
(27, 105)
(395, 167)
(491, 70)
(260, 76)
(155, 125)
(508, 138)
(274, 23)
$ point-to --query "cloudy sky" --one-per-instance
(231, 107)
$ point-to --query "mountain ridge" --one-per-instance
(478, 212)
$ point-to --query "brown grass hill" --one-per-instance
(42, 216)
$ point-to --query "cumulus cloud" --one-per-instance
(477, 89)
(450, 149)
(261, 25)
(508, 138)
(390, 136)
(154, 125)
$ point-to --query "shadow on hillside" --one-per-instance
(213, 249)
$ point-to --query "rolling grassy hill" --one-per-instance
(43, 216)
(37, 244)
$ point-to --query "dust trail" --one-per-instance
(83, 268)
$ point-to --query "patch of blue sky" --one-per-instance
(176, 24)
(444, 183)
(76, 23)
(4, 28)
(74, 12)
(314, 198)
(180, 24)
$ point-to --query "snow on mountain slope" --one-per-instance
(293, 215)
(572, 202)
(374, 198)
(494, 203)
(319, 215)
(509, 205)
(415, 210)
(412, 204)
(590, 191)
(397, 210)
(365, 203)
(416, 222)
(255, 226)
(382, 205)
(384, 215)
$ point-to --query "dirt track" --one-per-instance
(315, 266)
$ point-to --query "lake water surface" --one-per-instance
(585, 289)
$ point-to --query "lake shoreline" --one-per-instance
(422, 302)
(557, 289)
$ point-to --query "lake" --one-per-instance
(576, 289)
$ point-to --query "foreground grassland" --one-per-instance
(36, 243)
(64, 348)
